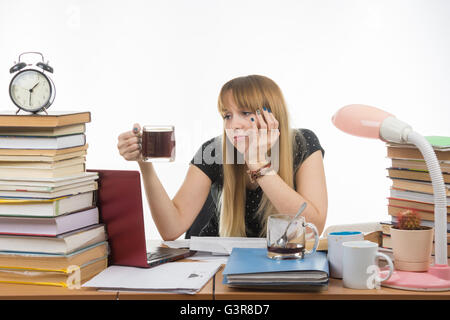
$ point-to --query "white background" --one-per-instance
(163, 62)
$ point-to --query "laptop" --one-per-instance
(119, 200)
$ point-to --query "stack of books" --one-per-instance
(49, 221)
(411, 183)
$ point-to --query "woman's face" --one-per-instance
(237, 123)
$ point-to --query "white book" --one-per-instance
(43, 131)
(62, 244)
(60, 142)
(413, 196)
(41, 165)
(49, 226)
(46, 207)
(42, 172)
(17, 192)
(42, 159)
(42, 169)
(47, 184)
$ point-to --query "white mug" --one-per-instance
(335, 250)
(360, 270)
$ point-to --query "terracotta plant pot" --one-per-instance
(412, 249)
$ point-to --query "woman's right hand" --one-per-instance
(129, 144)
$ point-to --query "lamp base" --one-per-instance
(437, 278)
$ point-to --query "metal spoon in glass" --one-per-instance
(282, 242)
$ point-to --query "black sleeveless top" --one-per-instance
(305, 144)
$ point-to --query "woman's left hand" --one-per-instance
(262, 137)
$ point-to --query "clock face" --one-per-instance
(30, 90)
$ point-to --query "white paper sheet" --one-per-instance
(208, 256)
(224, 245)
(177, 244)
(175, 277)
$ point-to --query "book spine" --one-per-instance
(55, 284)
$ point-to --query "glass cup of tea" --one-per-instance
(286, 237)
(158, 143)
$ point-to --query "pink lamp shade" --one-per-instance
(360, 120)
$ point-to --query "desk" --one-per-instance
(206, 293)
(215, 290)
(336, 291)
(35, 292)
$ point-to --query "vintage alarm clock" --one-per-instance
(31, 89)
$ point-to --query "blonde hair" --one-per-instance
(252, 93)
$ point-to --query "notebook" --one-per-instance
(250, 267)
(119, 200)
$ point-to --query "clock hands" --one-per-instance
(31, 91)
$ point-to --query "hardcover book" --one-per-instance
(418, 164)
(250, 267)
(52, 277)
(37, 261)
(47, 153)
(32, 142)
(43, 132)
(62, 244)
(49, 226)
(52, 119)
(46, 207)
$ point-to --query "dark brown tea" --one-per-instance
(158, 144)
(292, 250)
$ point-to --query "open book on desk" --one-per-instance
(252, 268)
(217, 245)
(224, 245)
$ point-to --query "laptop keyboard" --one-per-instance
(157, 255)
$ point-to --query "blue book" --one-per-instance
(250, 267)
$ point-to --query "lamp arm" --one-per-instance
(440, 197)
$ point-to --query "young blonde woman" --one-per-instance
(257, 167)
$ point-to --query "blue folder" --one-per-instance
(251, 267)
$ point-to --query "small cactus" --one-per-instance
(408, 220)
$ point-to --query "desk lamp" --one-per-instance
(370, 122)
